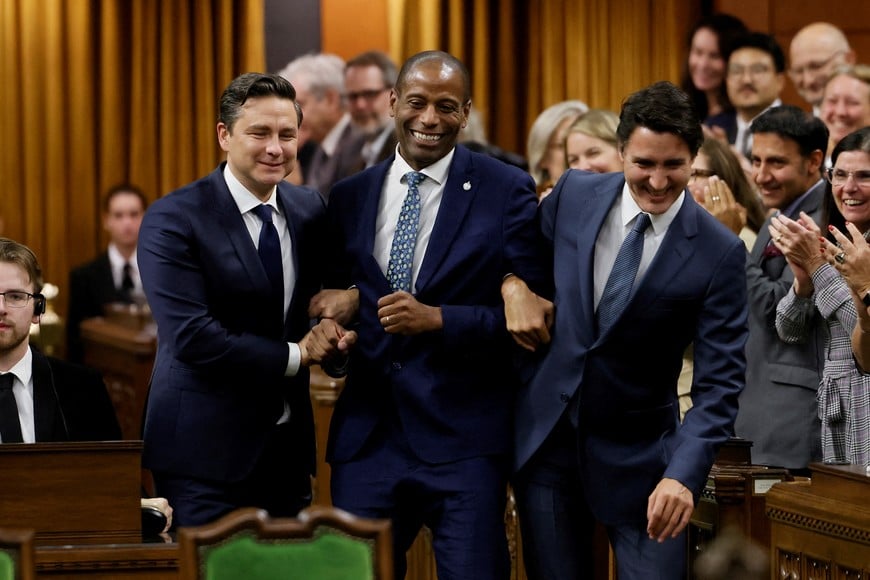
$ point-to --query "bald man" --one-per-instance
(816, 50)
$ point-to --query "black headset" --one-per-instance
(38, 304)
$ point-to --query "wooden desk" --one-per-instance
(109, 562)
(123, 350)
(821, 529)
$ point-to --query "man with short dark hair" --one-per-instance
(778, 408)
(754, 78)
(641, 271)
(114, 275)
(421, 432)
(229, 263)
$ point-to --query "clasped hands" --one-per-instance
(798, 240)
(528, 316)
(398, 313)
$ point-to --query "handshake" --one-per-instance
(328, 342)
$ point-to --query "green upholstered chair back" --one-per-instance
(322, 543)
(17, 554)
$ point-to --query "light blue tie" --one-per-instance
(617, 291)
(402, 250)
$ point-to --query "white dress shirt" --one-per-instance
(615, 228)
(390, 206)
(117, 262)
(246, 202)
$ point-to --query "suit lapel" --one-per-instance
(44, 400)
(455, 202)
(230, 221)
(672, 256)
(372, 189)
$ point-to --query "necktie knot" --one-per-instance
(641, 223)
(264, 212)
(414, 179)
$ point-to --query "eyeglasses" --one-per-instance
(16, 298)
(754, 70)
(368, 95)
(813, 66)
(701, 173)
(838, 177)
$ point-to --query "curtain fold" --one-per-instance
(97, 92)
(525, 55)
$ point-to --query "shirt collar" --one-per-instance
(245, 200)
(23, 369)
(117, 260)
(660, 222)
(437, 171)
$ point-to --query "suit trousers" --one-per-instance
(558, 526)
(461, 502)
(276, 484)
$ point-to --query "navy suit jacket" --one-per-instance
(453, 390)
(218, 385)
(727, 122)
(693, 291)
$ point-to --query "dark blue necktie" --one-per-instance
(269, 248)
(404, 241)
(617, 291)
(10, 425)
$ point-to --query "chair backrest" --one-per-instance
(17, 561)
(322, 543)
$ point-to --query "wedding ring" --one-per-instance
(387, 319)
(715, 198)
(778, 238)
(841, 258)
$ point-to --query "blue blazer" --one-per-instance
(693, 291)
(218, 385)
(453, 390)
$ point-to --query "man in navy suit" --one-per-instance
(422, 431)
(229, 420)
(598, 431)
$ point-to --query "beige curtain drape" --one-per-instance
(525, 55)
(97, 92)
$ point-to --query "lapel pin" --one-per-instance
(466, 186)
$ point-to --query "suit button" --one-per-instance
(564, 397)
(397, 366)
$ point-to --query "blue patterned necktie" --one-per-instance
(402, 250)
(269, 249)
(617, 291)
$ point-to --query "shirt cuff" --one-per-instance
(294, 359)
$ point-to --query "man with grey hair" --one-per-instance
(319, 83)
(816, 50)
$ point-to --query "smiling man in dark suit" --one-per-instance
(641, 271)
(422, 431)
(229, 264)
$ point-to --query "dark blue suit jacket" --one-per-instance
(454, 389)
(693, 291)
(218, 384)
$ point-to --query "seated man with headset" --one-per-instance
(43, 398)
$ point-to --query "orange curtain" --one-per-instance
(525, 55)
(96, 92)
